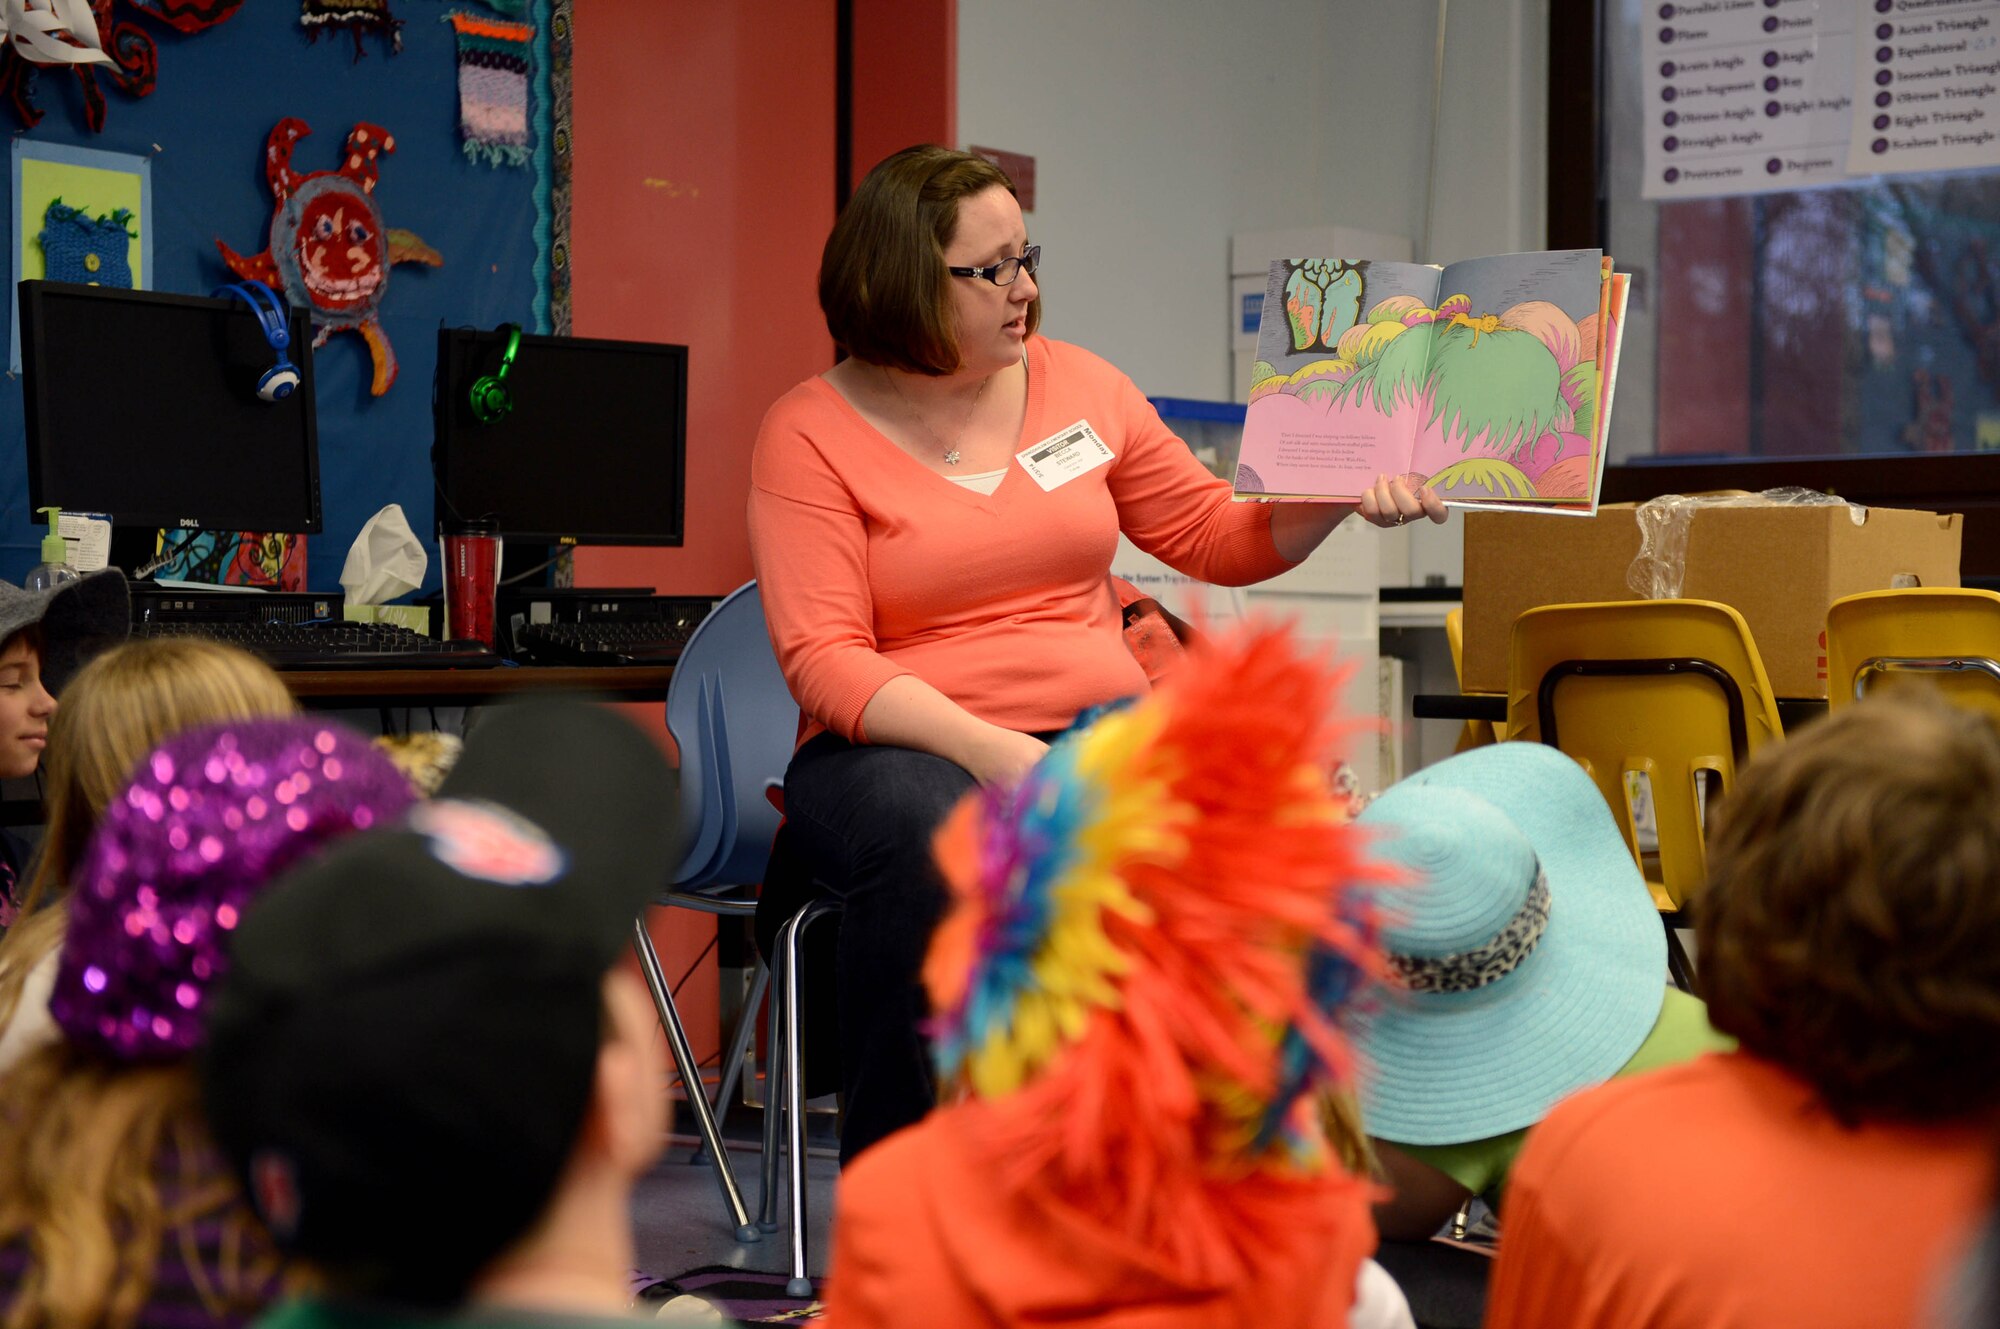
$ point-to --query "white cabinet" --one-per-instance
(1331, 597)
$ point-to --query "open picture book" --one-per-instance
(1489, 379)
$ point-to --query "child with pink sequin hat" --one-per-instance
(114, 1208)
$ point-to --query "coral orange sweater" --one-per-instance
(926, 1232)
(873, 566)
(1718, 1194)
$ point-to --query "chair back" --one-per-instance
(735, 721)
(1947, 635)
(1672, 690)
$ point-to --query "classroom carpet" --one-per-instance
(684, 1240)
(744, 1296)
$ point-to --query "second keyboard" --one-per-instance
(606, 642)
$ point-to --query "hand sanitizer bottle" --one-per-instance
(54, 569)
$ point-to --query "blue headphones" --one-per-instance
(281, 379)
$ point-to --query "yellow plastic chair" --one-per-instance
(1476, 733)
(1947, 635)
(1670, 695)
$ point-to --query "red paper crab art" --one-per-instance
(87, 39)
(328, 248)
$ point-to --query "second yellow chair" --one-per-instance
(1949, 636)
(1661, 701)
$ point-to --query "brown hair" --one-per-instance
(1851, 927)
(36, 637)
(882, 279)
(84, 1145)
(1346, 1135)
(118, 708)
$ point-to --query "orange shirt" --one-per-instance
(873, 566)
(924, 1236)
(1719, 1195)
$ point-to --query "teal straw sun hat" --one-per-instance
(1527, 960)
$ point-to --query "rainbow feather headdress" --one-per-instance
(1125, 984)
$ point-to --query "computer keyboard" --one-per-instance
(605, 641)
(330, 646)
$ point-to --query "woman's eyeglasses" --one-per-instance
(1006, 270)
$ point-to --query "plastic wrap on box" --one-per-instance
(1660, 569)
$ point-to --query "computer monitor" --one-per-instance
(592, 451)
(143, 406)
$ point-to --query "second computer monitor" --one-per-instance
(591, 448)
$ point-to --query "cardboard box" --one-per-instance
(1780, 567)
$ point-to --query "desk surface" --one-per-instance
(469, 687)
(1404, 612)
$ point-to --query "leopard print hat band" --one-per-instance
(1464, 971)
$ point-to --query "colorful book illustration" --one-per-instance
(1489, 379)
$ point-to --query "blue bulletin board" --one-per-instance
(218, 97)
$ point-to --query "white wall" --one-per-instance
(1161, 127)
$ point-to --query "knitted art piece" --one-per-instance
(187, 15)
(357, 18)
(511, 8)
(1125, 982)
(327, 248)
(93, 251)
(495, 63)
(86, 38)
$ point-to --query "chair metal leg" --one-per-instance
(732, 1061)
(1679, 967)
(739, 1045)
(697, 1097)
(774, 1079)
(799, 1285)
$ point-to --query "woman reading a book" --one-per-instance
(933, 522)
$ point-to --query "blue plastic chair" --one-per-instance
(734, 719)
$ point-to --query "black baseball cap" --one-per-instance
(400, 1058)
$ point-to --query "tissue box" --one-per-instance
(415, 617)
(1780, 567)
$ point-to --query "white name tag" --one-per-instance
(1064, 455)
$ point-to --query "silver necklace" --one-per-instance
(951, 453)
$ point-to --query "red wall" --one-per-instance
(702, 194)
(905, 78)
(703, 190)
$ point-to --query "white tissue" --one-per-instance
(386, 560)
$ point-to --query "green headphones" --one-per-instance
(490, 401)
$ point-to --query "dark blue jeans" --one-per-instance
(864, 817)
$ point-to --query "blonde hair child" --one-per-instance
(118, 708)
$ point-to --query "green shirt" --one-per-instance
(1681, 1033)
(318, 1313)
